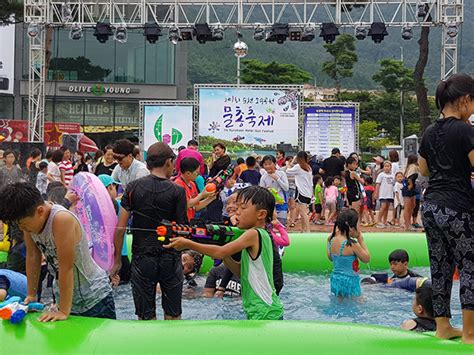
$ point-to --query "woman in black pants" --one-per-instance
(447, 156)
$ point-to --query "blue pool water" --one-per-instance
(305, 297)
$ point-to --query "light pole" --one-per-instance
(402, 106)
(240, 51)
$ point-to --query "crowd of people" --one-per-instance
(261, 195)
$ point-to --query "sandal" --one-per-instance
(292, 225)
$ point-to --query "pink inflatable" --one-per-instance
(97, 215)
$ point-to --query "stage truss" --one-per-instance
(230, 14)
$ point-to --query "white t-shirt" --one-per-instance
(303, 180)
(281, 184)
(397, 189)
(387, 182)
(396, 167)
(53, 170)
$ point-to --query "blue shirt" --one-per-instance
(251, 177)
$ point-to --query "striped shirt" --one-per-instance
(66, 167)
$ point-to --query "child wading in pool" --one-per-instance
(255, 209)
(345, 253)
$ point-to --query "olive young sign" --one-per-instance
(99, 89)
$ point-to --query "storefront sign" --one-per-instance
(99, 89)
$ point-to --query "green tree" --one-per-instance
(258, 72)
(9, 8)
(394, 76)
(343, 51)
(371, 138)
(82, 65)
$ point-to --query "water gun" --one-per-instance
(217, 183)
(278, 199)
(15, 312)
(198, 232)
(342, 190)
(9, 300)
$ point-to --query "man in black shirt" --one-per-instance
(334, 165)
(213, 287)
(149, 200)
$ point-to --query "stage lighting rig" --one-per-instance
(378, 31)
(329, 31)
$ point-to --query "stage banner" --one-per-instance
(169, 124)
(328, 127)
(7, 58)
(248, 119)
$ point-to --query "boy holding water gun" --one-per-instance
(255, 209)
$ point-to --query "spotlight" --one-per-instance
(33, 30)
(407, 33)
(76, 32)
(308, 33)
(452, 30)
(66, 12)
(423, 10)
(120, 34)
(174, 35)
(203, 33)
(295, 34)
(187, 34)
(259, 33)
(152, 32)
(102, 31)
(240, 48)
(329, 31)
(278, 33)
(217, 33)
(360, 32)
(378, 31)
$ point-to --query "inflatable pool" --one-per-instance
(307, 253)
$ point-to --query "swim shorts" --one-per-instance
(148, 270)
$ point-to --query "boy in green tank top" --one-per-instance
(255, 208)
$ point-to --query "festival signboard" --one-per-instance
(171, 124)
(328, 127)
(248, 118)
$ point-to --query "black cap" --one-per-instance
(160, 149)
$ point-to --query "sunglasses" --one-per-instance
(119, 157)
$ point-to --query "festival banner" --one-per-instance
(248, 118)
(17, 131)
(328, 127)
(169, 124)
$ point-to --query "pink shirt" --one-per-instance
(189, 152)
(280, 235)
(331, 193)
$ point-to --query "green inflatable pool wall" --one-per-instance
(97, 336)
(307, 252)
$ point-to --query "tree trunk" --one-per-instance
(338, 89)
(420, 88)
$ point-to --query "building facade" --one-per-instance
(98, 85)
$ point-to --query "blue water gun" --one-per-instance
(15, 312)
